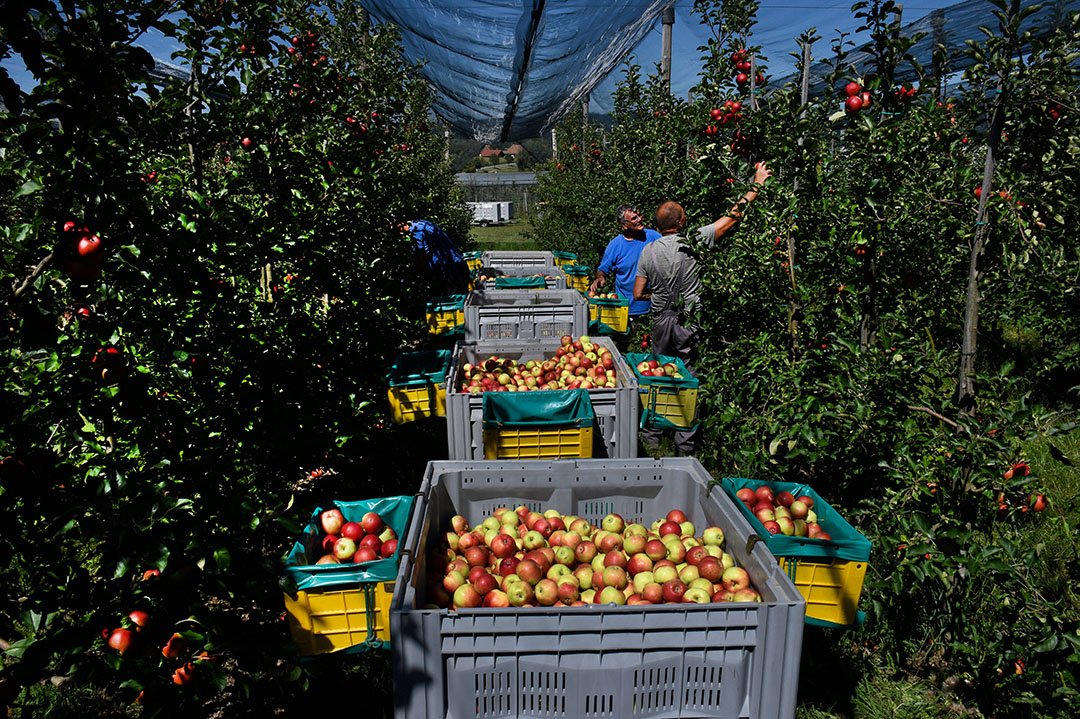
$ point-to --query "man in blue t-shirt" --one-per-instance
(621, 258)
(446, 265)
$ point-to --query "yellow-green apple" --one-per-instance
(532, 540)
(564, 555)
(801, 528)
(519, 593)
(344, 548)
(556, 571)
(571, 540)
(490, 523)
(787, 527)
(452, 581)
(665, 573)
(701, 583)
(546, 592)
(588, 596)
(615, 577)
(696, 595)
(746, 594)
(332, 521)
(634, 543)
(583, 573)
(613, 523)
(496, 599)
(798, 510)
(676, 552)
(688, 573)
(611, 595)
(713, 535)
(687, 528)
(735, 579)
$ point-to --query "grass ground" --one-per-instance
(514, 235)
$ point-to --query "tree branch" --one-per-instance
(934, 414)
(33, 275)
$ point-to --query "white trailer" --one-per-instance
(491, 213)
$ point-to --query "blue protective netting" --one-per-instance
(511, 68)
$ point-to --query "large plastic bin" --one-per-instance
(617, 408)
(553, 277)
(828, 573)
(728, 660)
(516, 259)
(525, 314)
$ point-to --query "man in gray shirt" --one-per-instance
(668, 267)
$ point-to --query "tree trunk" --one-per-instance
(965, 386)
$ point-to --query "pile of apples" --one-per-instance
(577, 364)
(347, 542)
(782, 512)
(521, 558)
(603, 295)
(653, 368)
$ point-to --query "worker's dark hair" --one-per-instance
(620, 214)
(669, 216)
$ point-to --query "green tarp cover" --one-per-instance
(560, 255)
(302, 573)
(597, 327)
(517, 283)
(474, 255)
(538, 409)
(654, 420)
(449, 303)
(846, 543)
(413, 368)
(577, 270)
(688, 381)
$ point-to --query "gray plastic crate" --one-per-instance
(727, 660)
(617, 408)
(511, 259)
(525, 314)
(555, 277)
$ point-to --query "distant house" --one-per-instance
(515, 150)
(490, 152)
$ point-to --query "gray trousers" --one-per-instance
(672, 339)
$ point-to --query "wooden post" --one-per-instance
(965, 390)
(937, 22)
(446, 136)
(753, 84)
(554, 146)
(667, 20)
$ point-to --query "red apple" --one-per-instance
(673, 590)
(746, 494)
(371, 541)
(352, 530)
(764, 493)
(669, 528)
(327, 559)
(785, 498)
(485, 583)
(328, 543)
(677, 516)
(364, 554)
(466, 597)
(121, 639)
(388, 548)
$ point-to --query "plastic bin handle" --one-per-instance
(751, 541)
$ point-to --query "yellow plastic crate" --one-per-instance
(564, 258)
(617, 317)
(578, 282)
(409, 403)
(677, 405)
(474, 260)
(830, 586)
(333, 619)
(547, 443)
(444, 322)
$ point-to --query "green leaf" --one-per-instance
(28, 187)
(222, 558)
